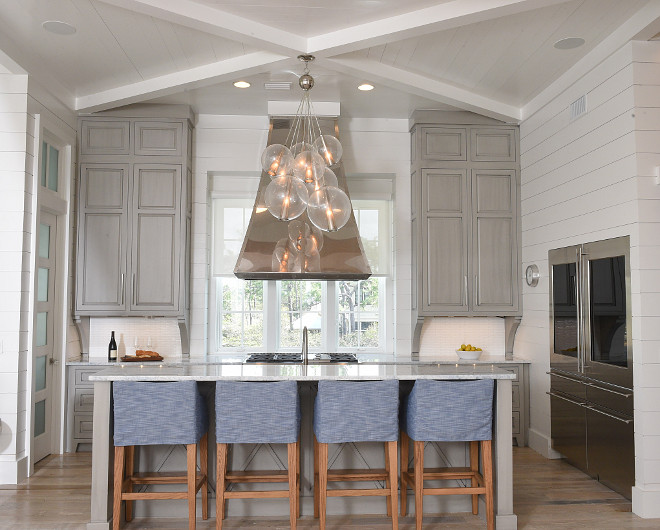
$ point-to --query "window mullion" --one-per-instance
(329, 317)
(271, 315)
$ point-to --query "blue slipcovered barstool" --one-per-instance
(356, 411)
(155, 414)
(448, 411)
(247, 412)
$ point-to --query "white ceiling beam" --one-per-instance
(640, 24)
(416, 23)
(209, 74)
(216, 22)
(420, 85)
(9, 66)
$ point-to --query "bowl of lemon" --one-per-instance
(469, 352)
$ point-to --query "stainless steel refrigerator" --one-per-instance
(591, 360)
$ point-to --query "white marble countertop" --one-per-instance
(297, 372)
(364, 358)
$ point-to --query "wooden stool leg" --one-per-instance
(323, 482)
(474, 466)
(391, 456)
(404, 471)
(388, 483)
(316, 478)
(191, 450)
(204, 469)
(220, 486)
(119, 478)
(487, 456)
(298, 481)
(130, 469)
(293, 486)
(419, 483)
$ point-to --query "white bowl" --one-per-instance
(468, 355)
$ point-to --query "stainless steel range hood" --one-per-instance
(341, 257)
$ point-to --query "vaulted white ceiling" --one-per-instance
(494, 57)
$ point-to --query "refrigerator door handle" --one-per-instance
(574, 379)
(596, 409)
(594, 385)
(578, 301)
(559, 396)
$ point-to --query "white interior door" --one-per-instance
(43, 342)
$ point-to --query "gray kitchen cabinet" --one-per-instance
(466, 232)
(134, 215)
(80, 406)
(519, 400)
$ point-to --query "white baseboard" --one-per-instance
(14, 472)
(646, 502)
(542, 444)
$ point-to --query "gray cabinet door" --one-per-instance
(102, 237)
(494, 285)
(104, 137)
(158, 138)
(156, 239)
(444, 208)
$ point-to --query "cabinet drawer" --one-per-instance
(82, 426)
(82, 376)
(515, 369)
(158, 138)
(104, 137)
(440, 143)
(515, 422)
(515, 397)
(83, 400)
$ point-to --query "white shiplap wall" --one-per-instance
(646, 279)
(235, 143)
(587, 180)
(14, 273)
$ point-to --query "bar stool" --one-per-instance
(256, 412)
(355, 411)
(156, 414)
(448, 411)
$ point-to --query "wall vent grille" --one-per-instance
(277, 85)
(578, 107)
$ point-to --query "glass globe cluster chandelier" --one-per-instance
(302, 178)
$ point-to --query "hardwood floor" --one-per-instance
(547, 494)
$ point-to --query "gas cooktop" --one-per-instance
(296, 358)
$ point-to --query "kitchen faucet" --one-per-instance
(305, 353)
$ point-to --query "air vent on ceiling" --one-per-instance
(578, 107)
(277, 85)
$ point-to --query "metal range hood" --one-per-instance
(341, 257)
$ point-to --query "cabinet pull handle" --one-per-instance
(575, 380)
(598, 387)
(559, 396)
(466, 289)
(133, 289)
(476, 290)
(123, 289)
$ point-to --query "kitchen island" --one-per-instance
(307, 376)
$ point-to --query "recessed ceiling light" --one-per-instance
(365, 87)
(242, 84)
(58, 27)
(569, 43)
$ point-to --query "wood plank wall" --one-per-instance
(589, 179)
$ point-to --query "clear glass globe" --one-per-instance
(299, 233)
(329, 148)
(286, 197)
(308, 166)
(298, 148)
(329, 208)
(277, 160)
(285, 258)
(315, 239)
(328, 178)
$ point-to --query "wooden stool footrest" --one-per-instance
(468, 490)
(357, 475)
(371, 492)
(268, 494)
(257, 476)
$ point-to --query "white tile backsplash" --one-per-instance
(442, 336)
(164, 333)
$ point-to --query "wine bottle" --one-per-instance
(112, 348)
